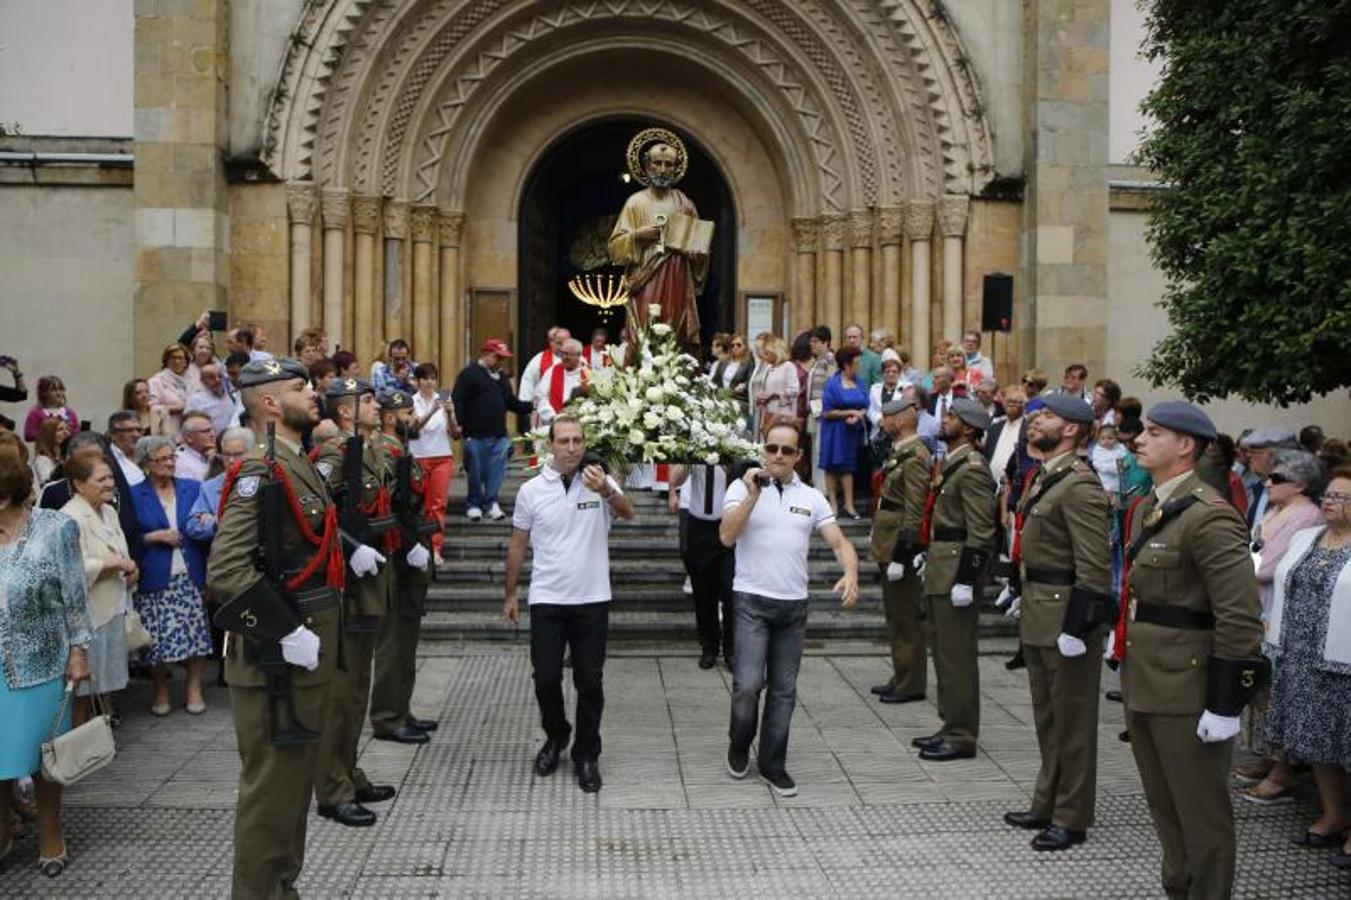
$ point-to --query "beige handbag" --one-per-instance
(69, 757)
(137, 636)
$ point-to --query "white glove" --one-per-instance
(1006, 597)
(366, 561)
(895, 571)
(1257, 562)
(1212, 728)
(1015, 610)
(418, 557)
(301, 648)
(917, 564)
(1070, 646)
(962, 595)
(1110, 649)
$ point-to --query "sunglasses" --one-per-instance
(1334, 497)
(1278, 478)
(780, 450)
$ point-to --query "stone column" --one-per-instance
(301, 203)
(337, 211)
(887, 300)
(919, 226)
(952, 212)
(422, 223)
(395, 287)
(451, 227)
(831, 312)
(805, 236)
(860, 253)
(366, 324)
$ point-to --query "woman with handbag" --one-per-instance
(109, 574)
(44, 633)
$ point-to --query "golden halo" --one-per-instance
(645, 138)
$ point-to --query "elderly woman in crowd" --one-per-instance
(345, 365)
(173, 573)
(963, 379)
(1309, 638)
(52, 434)
(51, 405)
(201, 353)
(169, 387)
(777, 389)
(44, 636)
(889, 387)
(109, 574)
(136, 398)
(844, 416)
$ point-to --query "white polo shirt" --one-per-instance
(706, 492)
(569, 535)
(771, 553)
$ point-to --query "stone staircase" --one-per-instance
(646, 574)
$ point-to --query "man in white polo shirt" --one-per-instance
(769, 516)
(564, 514)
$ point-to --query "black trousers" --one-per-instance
(710, 566)
(583, 628)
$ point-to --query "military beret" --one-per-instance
(898, 405)
(1270, 436)
(266, 371)
(1182, 417)
(1070, 408)
(347, 387)
(971, 412)
(395, 399)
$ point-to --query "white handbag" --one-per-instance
(69, 757)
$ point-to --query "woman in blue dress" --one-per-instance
(844, 410)
(44, 633)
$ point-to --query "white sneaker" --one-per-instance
(474, 514)
(495, 513)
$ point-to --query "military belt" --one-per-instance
(890, 505)
(311, 601)
(1172, 616)
(949, 535)
(1048, 576)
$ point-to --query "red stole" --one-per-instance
(556, 379)
(546, 361)
(589, 357)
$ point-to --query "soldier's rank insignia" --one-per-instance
(247, 486)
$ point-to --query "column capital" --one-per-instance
(337, 207)
(919, 220)
(396, 219)
(952, 214)
(366, 214)
(301, 201)
(422, 223)
(889, 222)
(861, 228)
(450, 227)
(806, 234)
(832, 232)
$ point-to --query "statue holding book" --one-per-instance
(659, 238)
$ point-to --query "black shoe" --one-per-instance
(781, 783)
(422, 724)
(1029, 820)
(886, 688)
(942, 751)
(707, 660)
(1016, 662)
(375, 793)
(588, 775)
(1058, 838)
(404, 734)
(894, 697)
(1341, 860)
(1124, 737)
(1114, 696)
(923, 742)
(546, 761)
(351, 814)
(738, 762)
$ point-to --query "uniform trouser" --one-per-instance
(274, 793)
(395, 666)
(340, 778)
(711, 567)
(952, 639)
(1187, 786)
(1065, 708)
(583, 628)
(903, 603)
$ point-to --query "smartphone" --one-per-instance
(443, 395)
(84, 425)
(216, 320)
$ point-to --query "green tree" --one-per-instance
(1252, 133)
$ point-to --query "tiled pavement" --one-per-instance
(472, 820)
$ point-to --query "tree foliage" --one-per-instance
(1253, 135)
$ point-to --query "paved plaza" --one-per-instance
(472, 820)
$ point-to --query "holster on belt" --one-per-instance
(972, 564)
(1087, 610)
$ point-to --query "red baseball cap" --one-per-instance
(498, 346)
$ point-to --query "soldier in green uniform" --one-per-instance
(956, 568)
(363, 497)
(297, 615)
(396, 645)
(1188, 644)
(1064, 573)
(895, 543)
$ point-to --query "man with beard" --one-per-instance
(1063, 562)
(275, 781)
(956, 567)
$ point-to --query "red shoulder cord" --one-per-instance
(926, 520)
(1119, 633)
(1016, 551)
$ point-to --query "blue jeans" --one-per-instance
(769, 637)
(485, 463)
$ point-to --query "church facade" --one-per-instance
(436, 169)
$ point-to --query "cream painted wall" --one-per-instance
(1131, 79)
(66, 259)
(65, 67)
(1135, 324)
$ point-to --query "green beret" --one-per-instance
(395, 399)
(347, 387)
(266, 371)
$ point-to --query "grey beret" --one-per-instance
(395, 399)
(1069, 407)
(347, 387)
(1270, 436)
(266, 371)
(897, 405)
(1182, 417)
(971, 412)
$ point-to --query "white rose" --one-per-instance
(655, 393)
(636, 436)
(674, 414)
(654, 310)
(635, 403)
(661, 329)
(651, 420)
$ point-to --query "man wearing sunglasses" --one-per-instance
(768, 516)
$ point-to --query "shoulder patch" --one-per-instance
(325, 469)
(247, 486)
(976, 459)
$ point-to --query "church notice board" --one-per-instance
(761, 311)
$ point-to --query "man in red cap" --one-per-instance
(483, 395)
